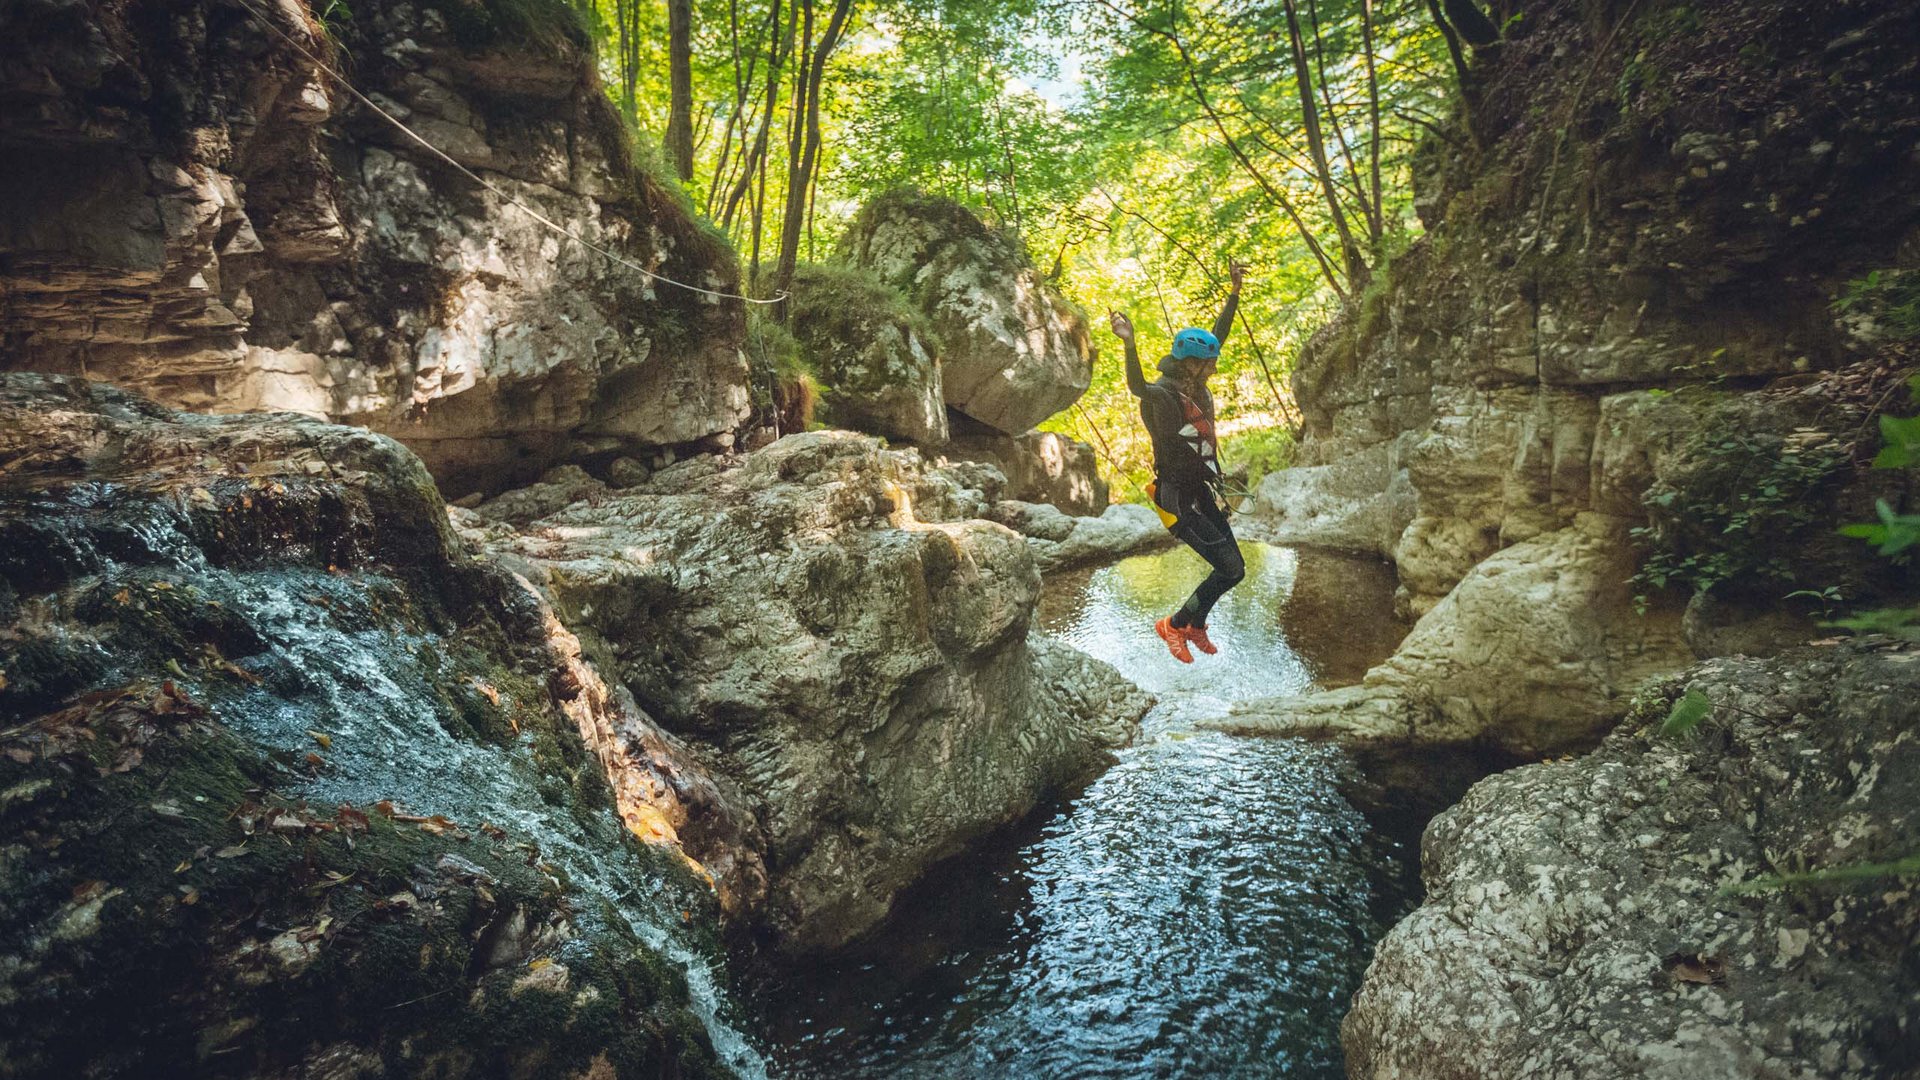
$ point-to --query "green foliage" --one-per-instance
(332, 16)
(1262, 449)
(1851, 873)
(1686, 714)
(1739, 513)
(1890, 297)
(1894, 533)
(772, 350)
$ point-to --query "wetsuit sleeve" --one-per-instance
(1224, 324)
(1136, 379)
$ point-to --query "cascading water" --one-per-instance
(1203, 909)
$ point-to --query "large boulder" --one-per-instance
(830, 620)
(1040, 467)
(1607, 916)
(292, 786)
(1539, 650)
(875, 357)
(1013, 351)
(210, 220)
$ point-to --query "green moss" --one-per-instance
(844, 317)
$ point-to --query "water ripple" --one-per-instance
(1203, 909)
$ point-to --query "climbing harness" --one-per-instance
(495, 189)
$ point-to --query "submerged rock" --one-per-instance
(293, 786)
(1013, 351)
(828, 619)
(1609, 916)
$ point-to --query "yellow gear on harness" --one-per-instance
(1153, 500)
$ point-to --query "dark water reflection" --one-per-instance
(1203, 909)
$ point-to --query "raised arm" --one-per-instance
(1123, 329)
(1223, 325)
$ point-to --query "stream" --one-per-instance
(1205, 908)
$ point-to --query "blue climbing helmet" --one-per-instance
(1193, 343)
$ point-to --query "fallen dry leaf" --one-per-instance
(1698, 969)
(232, 851)
(325, 740)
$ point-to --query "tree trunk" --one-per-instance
(1373, 106)
(680, 88)
(1317, 149)
(777, 49)
(806, 157)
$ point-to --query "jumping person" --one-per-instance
(1187, 485)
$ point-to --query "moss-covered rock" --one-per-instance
(292, 786)
(1013, 351)
(875, 356)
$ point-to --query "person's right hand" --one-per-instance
(1122, 326)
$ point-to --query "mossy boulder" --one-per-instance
(292, 786)
(874, 355)
(1014, 351)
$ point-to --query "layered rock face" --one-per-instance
(211, 220)
(293, 786)
(831, 621)
(1632, 321)
(1606, 916)
(1013, 351)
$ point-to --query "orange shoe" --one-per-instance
(1175, 638)
(1198, 635)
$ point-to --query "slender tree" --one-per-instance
(679, 138)
(806, 144)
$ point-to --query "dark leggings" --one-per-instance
(1203, 527)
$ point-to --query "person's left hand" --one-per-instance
(1237, 271)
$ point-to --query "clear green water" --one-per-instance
(1203, 909)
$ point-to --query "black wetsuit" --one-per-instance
(1187, 481)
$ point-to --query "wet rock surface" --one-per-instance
(293, 786)
(245, 235)
(1605, 916)
(1060, 542)
(1013, 351)
(834, 625)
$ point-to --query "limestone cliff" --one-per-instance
(194, 209)
(1621, 321)
(1676, 907)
